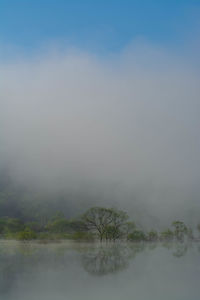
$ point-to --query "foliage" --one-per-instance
(13, 225)
(119, 220)
(77, 226)
(3, 222)
(24, 212)
(105, 221)
(58, 226)
(97, 219)
(167, 235)
(112, 233)
(26, 235)
(49, 236)
(35, 226)
(86, 236)
(128, 227)
(152, 236)
(59, 215)
(137, 235)
(180, 230)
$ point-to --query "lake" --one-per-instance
(94, 271)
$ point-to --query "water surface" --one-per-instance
(73, 271)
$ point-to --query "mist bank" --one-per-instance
(119, 131)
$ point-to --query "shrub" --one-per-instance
(58, 226)
(82, 236)
(152, 236)
(167, 235)
(137, 235)
(26, 235)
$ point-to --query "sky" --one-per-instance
(101, 98)
(97, 26)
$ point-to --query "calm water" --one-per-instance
(73, 271)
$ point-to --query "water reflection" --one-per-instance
(105, 260)
(178, 249)
(111, 258)
(21, 264)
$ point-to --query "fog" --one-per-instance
(120, 130)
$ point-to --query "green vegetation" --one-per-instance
(180, 230)
(152, 236)
(97, 223)
(27, 215)
(26, 235)
(107, 223)
(137, 235)
(167, 235)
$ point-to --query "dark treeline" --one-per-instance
(27, 204)
(25, 216)
(97, 223)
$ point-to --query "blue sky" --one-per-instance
(103, 26)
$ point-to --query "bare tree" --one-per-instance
(98, 218)
(106, 221)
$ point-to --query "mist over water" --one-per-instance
(74, 271)
(123, 132)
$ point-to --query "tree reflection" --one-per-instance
(109, 259)
(178, 249)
